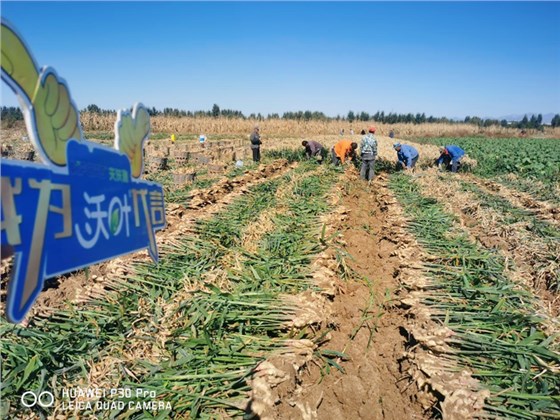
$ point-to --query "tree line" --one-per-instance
(11, 114)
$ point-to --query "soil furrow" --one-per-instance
(365, 376)
(534, 257)
(541, 209)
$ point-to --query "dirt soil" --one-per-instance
(374, 384)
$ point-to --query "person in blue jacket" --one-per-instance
(407, 156)
(450, 157)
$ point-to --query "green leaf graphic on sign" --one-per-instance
(114, 221)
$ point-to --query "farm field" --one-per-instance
(296, 290)
(528, 165)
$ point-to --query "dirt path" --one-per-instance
(373, 386)
(363, 325)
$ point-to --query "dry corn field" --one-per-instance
(291, 289)
(279, 127)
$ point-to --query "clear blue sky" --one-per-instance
(443, 58)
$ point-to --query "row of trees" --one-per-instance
(214, 112)
(10, 114)
(535, 122)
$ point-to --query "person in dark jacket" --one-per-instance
(256, 144)
(313, 149)
(407, 156)
(450, 157)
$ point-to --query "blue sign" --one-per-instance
(86, 203)
(59, 222)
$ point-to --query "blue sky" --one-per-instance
(443, 58)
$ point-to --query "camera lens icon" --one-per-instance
(30, 399)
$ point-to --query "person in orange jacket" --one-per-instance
(343, 150)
